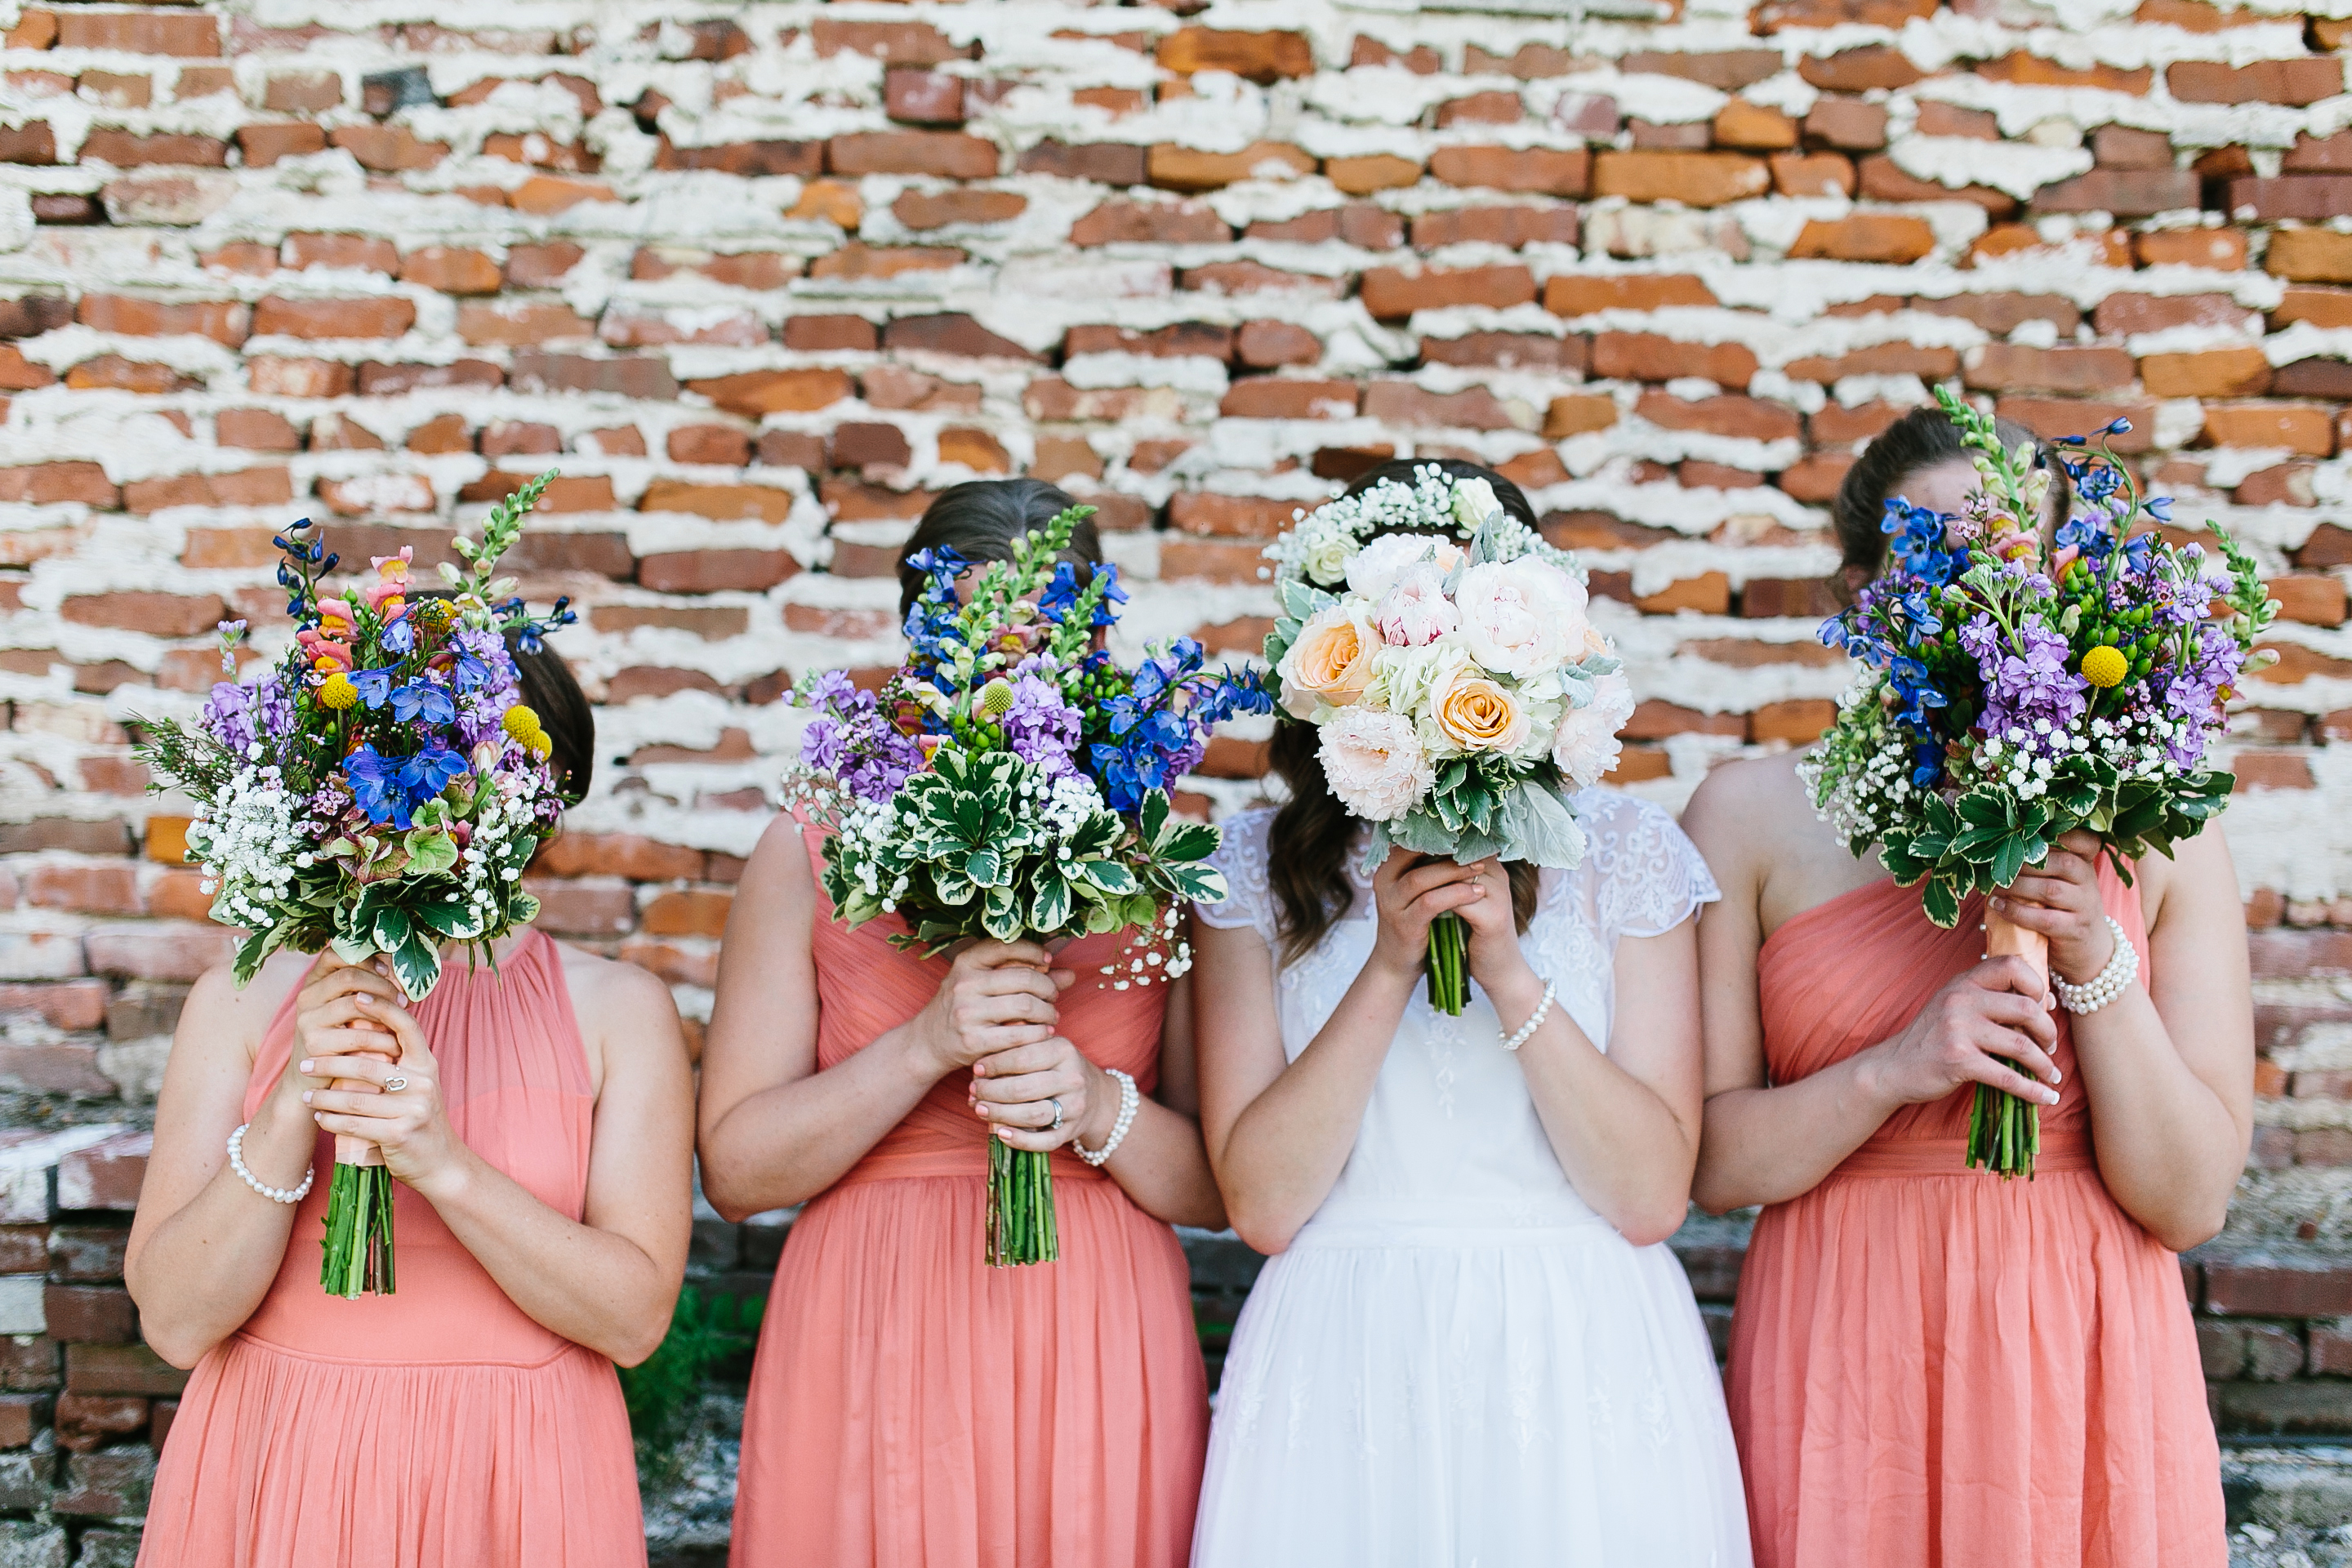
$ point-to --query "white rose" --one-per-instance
(1404, 679)
(1521, 617)
(1474, 502)
(1326, 560)
(1374, 763)
(1585, 746)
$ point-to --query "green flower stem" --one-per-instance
(356, 1258)
(1449, 964)
(1020, 1206)
(2004, 1132)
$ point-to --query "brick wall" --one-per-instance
(759, 279)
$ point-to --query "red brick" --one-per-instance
(2296, 81)
(104, 887)
(619, 854)
(1646, 356)
(1282, 397)
(1101, 163)
(1372, 172)
(190, 35)
(263, 146)
(726, 502)
(597, 908)
(2278, 1287)
(2297, 954)
(2303, 428)
(387, 149)
(518, 323)
(752, 393)
(89, 1314)
(1859, 69)
(63, 1004)
(924, 211)
(452, 269)
(121, 1369)
(1888, 238)
(1849, 124)
(1730, 414)
(87, 1421)
(1541, 170)
(1151, 223)
(1260, 57)
(953, 334)
(120, 374)
(1390, 292)
(1508, 350)
(381, 318)
(830, 334)
(158, 951)
(2217, 373)
(688, 912)
(2126, 192)
(947, 153)
(1176, 168)
(21, 1415)
(48, 483)
(894, 43)
(1694, 179)
(1264, 344)
(1231, 517)
(142, 610)
(1403, 402)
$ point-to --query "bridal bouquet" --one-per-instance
(1461, 691)
(2015, 689)
(1010, 781)
(379, 790)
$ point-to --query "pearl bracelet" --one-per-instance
(1527, 1029)
(1128, 1099)
(275, 1194)
(2110, 982)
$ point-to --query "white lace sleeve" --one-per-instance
(1650, 877)
(1249, 901)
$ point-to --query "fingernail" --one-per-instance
(2049, 1097)
(305, 1096)
(304, 1066)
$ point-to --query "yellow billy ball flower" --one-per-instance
(432, 614)
(995, 700)
(2104, 666)
(538, 744)
(337, 692)
(520, 722)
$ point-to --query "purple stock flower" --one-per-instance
(850, 738)
(1040, 727)
(229, 715)
(2030, 683)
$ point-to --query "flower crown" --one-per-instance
(1318, 549)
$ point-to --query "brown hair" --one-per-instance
(1922, 440)
(1312, 836)
(979, 518)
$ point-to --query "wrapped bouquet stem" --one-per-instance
(378, 792)
(2017, 687)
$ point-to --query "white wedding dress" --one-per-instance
(1457, 1363)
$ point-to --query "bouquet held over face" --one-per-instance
(2016, 688)
(1010, 782)
(1462, 692)
(377, 791)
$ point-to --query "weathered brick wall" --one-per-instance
(759, 278)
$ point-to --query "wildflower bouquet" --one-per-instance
(1010, 781)
(1461, 693)
(379, 790)
(2015, 689)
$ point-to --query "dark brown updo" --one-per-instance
(1922, 440)
(979, 518)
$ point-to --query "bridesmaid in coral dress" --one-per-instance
(539, 1125)
(910, 1404)
(1930, 1365)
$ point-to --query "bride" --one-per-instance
(1472, 1347)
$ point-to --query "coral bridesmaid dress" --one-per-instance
(910, 1404)
(439, 1426)
(1933, 1366)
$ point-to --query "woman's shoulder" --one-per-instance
(613, 991)
(224, 1007)
(1244, 857)
(1646, 876)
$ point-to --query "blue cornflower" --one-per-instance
(1921, 616)
(375, 686)
(375, 787)
(2160, 509)
(398, 637)
(2075, 533)
(429, 772)
(469, 672)
(424, 699)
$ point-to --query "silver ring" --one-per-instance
(396, 1083)
(1054, 1125)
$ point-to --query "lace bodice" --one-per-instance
(1451, 1136)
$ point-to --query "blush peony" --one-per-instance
(1374, 763)
(1415, 612)
(1521, 618)
(1331, 663)
(1585, 746)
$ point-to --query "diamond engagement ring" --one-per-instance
(1054, 1125)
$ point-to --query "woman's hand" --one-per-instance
(2060, 898)
(1409, 891)
(1015, 1093)
(1995, 1010)
(402, 1112)
(333, 1028)
(998, 995)
(1498, 963)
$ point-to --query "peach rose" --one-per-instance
(1331, 662)
(1374, 763)
(1477, 715)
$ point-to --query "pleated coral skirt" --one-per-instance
(913, 1406)
(295, 1460)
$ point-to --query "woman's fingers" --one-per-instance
(2049, 920)
(1028, 1088)
(2023, 1015)
(351, 1102)
(1027, 1058)
(329, 1044)
(1011, 1007)
(343, 1126)
(1444, 900)
(363, 1069)
(996, 1039)
(1002, 954)
(2031, 1055)
(1991, 1068)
